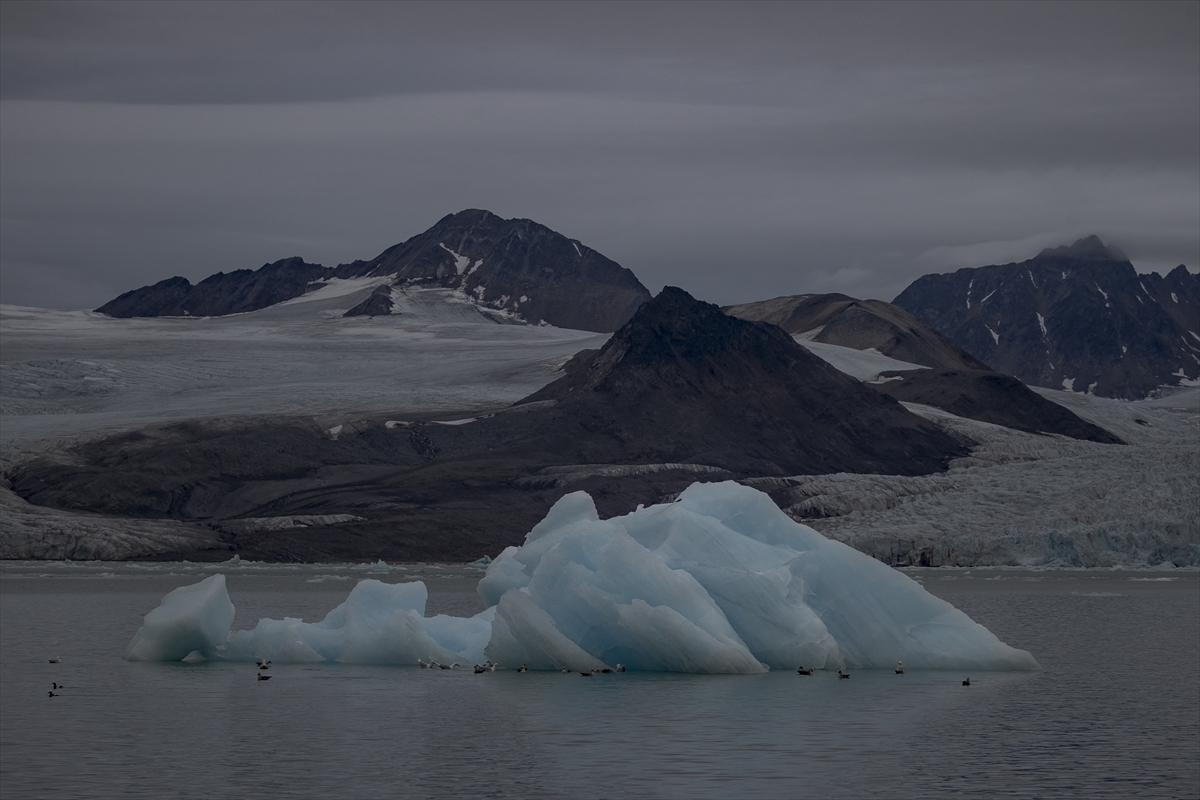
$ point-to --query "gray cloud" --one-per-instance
(738, 150)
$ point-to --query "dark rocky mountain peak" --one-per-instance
(683, 381)
(516, 267)
(513, 268)
(1089, 248)
(1078, 318)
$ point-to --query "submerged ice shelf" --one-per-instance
(720, 581)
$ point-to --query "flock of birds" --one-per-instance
(846, 676)
(265, 664)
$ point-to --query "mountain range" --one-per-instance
(681, 391)
(1078, 317)
(514, 269)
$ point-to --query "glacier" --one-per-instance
(718, 581)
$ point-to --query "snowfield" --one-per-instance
(1019, 499)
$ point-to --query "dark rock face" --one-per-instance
(862, 325)
(379, 304)
(1078, 317)
(223, 293)
(515, 267)
(680, 393)
(990, 397)
(684, 382)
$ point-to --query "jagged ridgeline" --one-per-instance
(681, 392)
(1079, 318)
(513, 266)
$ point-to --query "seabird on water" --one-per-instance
(899, 667)
(842, 675)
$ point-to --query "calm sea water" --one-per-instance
(1114, 713)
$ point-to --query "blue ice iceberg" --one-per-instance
(190, 618)
(719, 581)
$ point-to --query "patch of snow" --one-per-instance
(1042, 324)
(969, 287)
(1031, 280)
(334, 431)
(577, 250)
(1064, 277)
(523, 299)
(466, 421)
(1124, 349)
(1194, 336)
(1101, 291)
(1143, 287)
(985, 299)
(859, 364)
(886, 380)
(1091, 387)
(995, 336)
(808, 336)
(460, 262)
(1173, 297)
(395, 423)
(1069, 384)
(478, 264)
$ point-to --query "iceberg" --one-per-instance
(190, 618)
(718, 581)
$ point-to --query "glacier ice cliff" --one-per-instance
(719, 581)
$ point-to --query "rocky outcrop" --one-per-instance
(511, 267)
(1078, 318)
(862, 325)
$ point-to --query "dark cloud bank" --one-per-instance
(738, 150)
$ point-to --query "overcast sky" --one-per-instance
(740, 151)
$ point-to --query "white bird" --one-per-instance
(565, 670)
(620, 667)
(264, 664)
(448, 666)
(423, 664)
(899, 667)
(523, 668)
